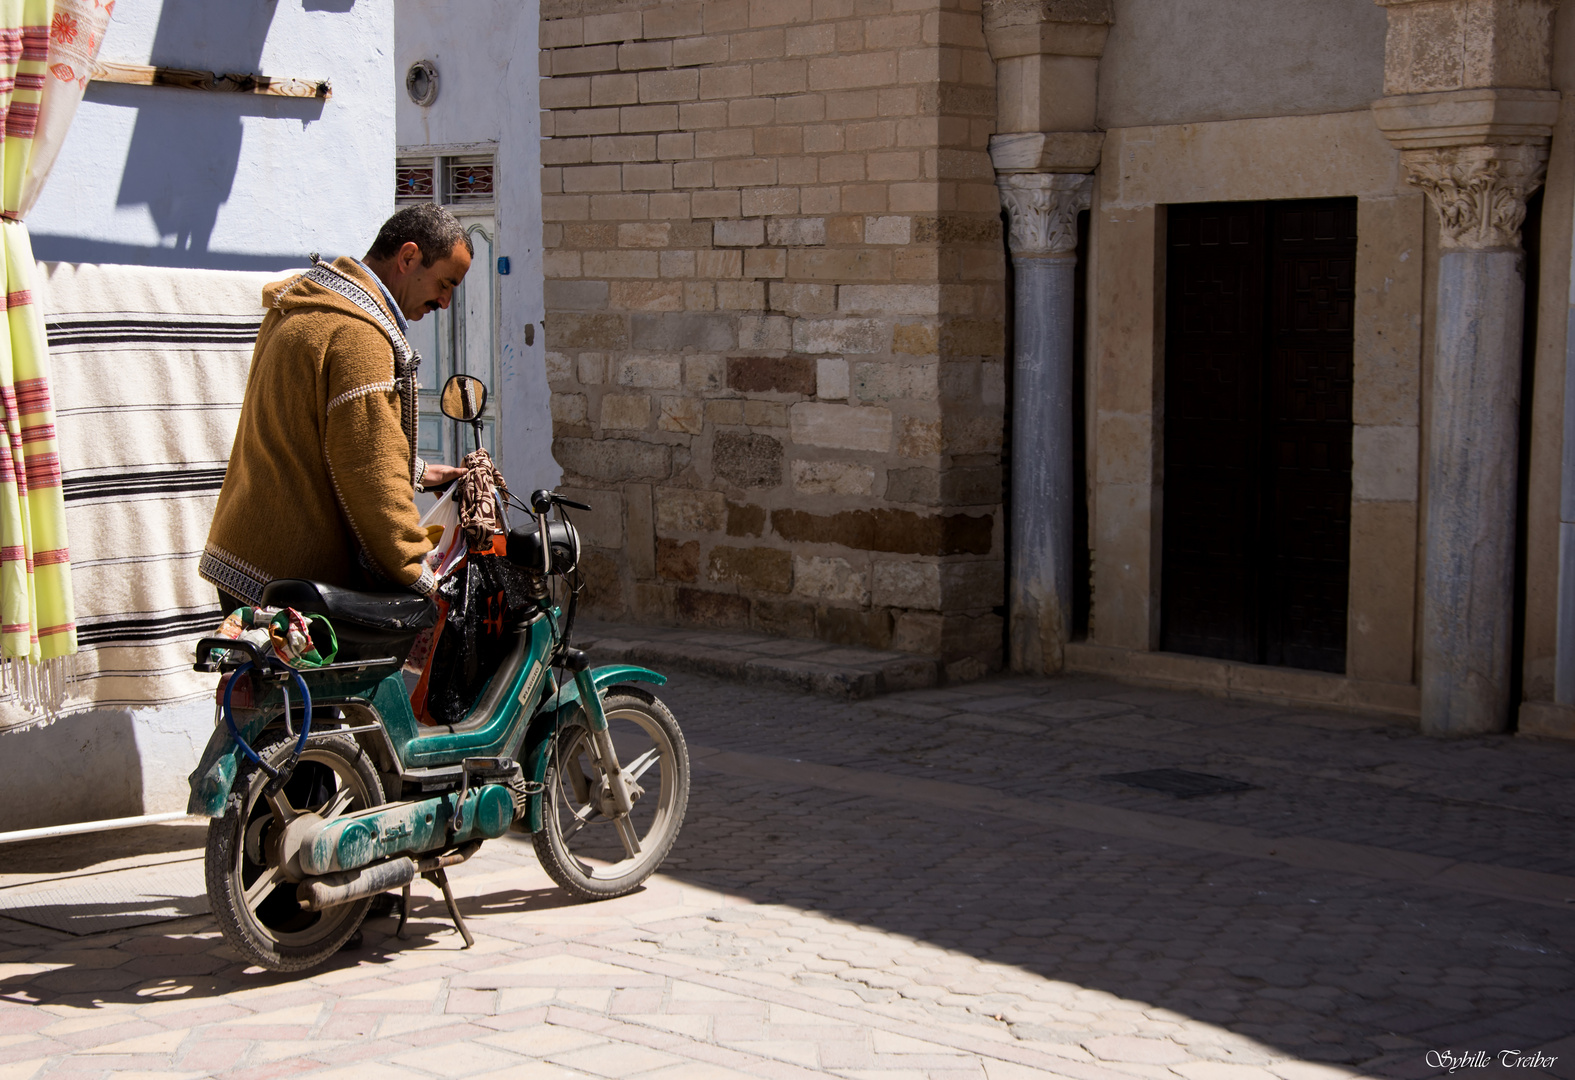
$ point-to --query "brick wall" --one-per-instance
(775, 299)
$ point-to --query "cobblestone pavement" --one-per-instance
(937, 884)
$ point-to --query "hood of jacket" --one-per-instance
(301, 293)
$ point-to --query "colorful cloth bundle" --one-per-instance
(296, 639)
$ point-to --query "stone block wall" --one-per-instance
(775, 297)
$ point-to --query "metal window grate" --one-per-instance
(413, 182)
(467, 179)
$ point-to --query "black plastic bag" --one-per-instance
(487, 602)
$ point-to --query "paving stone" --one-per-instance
(615, 1059)
(275, 1070)
(471, 1001)
(801, 930)
(456, 1059)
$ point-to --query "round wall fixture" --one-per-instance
(421, 82)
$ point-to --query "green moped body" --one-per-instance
(516, 718)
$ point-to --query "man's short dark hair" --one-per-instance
(430, 227)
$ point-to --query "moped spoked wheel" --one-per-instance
(580, 845)
(254, 904)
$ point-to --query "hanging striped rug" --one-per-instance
(149, 368)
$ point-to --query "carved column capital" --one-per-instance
(1479, 192)
(1043, 209)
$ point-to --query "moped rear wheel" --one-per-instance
(253, 902)
(581, 846)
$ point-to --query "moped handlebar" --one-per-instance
(542, 500)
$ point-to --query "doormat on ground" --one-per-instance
(1181, 783)
(94, 903)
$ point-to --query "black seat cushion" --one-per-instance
(374, 611)
(369, 626)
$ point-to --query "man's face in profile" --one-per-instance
(419, 289)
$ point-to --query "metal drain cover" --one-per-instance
(1181, 783)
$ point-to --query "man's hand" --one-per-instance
(436, 474)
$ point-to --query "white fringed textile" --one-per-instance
(150, 369)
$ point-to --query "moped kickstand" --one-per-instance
(440, 879)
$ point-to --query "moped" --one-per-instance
(328, 787)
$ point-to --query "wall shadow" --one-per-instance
(1327, 967)
(33, 763)
(185, 152)
(48, 247)
(185, 146)
(52, 856)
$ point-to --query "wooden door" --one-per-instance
(1257, 431)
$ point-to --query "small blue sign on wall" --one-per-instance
(503, 264)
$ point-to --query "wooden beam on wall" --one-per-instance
(228, 82)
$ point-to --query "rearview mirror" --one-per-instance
(464, 396)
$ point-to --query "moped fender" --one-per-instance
(215, 774)
(537, 749)
(569, 695)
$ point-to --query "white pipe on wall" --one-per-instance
(90, 827)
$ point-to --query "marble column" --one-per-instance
(1473, 436)
(1043, 209)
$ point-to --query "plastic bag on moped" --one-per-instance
(450, 546)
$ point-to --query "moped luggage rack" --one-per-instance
(268, 665)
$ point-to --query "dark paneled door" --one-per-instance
(1257, 481)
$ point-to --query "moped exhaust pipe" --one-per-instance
(362, 838)
(331, 890)
(346, 887)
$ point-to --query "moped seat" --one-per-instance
(369, 626)
(374, 611)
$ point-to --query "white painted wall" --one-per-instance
(488, 74)
(161, 176)
(228, 182)
(1188, 61)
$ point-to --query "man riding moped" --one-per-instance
(329, 779)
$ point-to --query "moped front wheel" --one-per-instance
(252, 900)
(583, 845)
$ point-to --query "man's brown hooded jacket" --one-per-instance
(320, 482)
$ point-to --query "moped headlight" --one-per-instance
(565, 546)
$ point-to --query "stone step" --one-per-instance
(813, 666)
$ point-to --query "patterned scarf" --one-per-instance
(477, 497)
(46, 57)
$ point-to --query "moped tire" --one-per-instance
(271, 930)
(579, 846)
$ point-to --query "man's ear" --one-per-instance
(409, 257)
